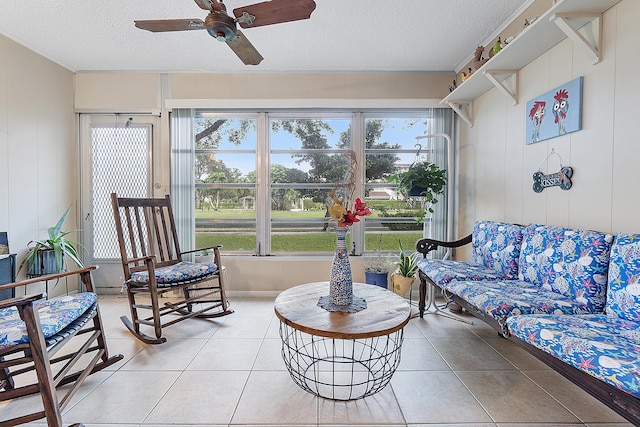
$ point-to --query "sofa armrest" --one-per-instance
(424, 246)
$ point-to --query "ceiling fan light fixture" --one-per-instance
(220, 26)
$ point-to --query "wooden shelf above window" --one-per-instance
(567, 18)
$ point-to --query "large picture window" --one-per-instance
(261, 180)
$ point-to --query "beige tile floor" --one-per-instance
(229, 372)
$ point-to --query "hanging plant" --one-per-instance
(422, 179)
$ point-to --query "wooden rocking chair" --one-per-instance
(153, 266)
(33, 335)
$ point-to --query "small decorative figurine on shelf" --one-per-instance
(497, 47)
(453, 86)
(466, 74)
(478, 60)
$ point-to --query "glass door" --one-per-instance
(116, 153)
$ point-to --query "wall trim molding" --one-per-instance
(301, 103)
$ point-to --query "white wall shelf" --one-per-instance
(567, 18)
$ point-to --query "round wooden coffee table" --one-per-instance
(341, 356)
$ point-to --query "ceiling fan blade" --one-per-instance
(243, 48)
(161, 25)
(276, 12)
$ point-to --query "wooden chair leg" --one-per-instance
(157, 318)
(6, 380)
(42, 368)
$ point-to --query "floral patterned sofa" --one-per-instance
(575, 305)
(604, 346)
(560, 271)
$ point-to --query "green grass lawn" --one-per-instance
(305, 240)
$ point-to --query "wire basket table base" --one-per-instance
(340, 369)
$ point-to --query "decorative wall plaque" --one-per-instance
(561, 179)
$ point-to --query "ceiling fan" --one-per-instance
(223, 27)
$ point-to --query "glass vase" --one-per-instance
(340, 281)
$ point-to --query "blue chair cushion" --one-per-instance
(605, 347)
(180, 272)
(55, 315)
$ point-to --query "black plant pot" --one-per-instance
(416, 191)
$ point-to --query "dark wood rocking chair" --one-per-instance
(33, 337)
(153, 266)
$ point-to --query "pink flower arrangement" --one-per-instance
(345, 217)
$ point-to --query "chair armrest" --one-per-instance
(215, 248)
(57, 276)
(424, 246)
(23, 300)
(145, 258)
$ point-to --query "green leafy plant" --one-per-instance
(407, 265)
(57, 242)
(425, 178)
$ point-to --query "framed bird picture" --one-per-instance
(555, 113)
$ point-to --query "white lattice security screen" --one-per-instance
(120, 163)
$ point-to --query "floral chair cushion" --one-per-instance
(504, 298)
(623, 290)
(497, 246)
(445, 271)
(181, 272)
(605, 347)
(570, 262)
(55, 315)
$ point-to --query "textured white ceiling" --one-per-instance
(342, 35)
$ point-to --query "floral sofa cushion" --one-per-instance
(605, 347)
(55, 315)
(495, 252)
(623, 289)
(181, 272)
(501, 299)
(445, 271)
(570, 262)
(496, 245)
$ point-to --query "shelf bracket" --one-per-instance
(591, 47)
(464, 109)
(510, 92)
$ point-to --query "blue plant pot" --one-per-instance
(378, 279)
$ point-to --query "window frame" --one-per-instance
(263, 152)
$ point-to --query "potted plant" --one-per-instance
(47, 256)
(405, 273)
(422, 179)
(377, 266)
(376, 270)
